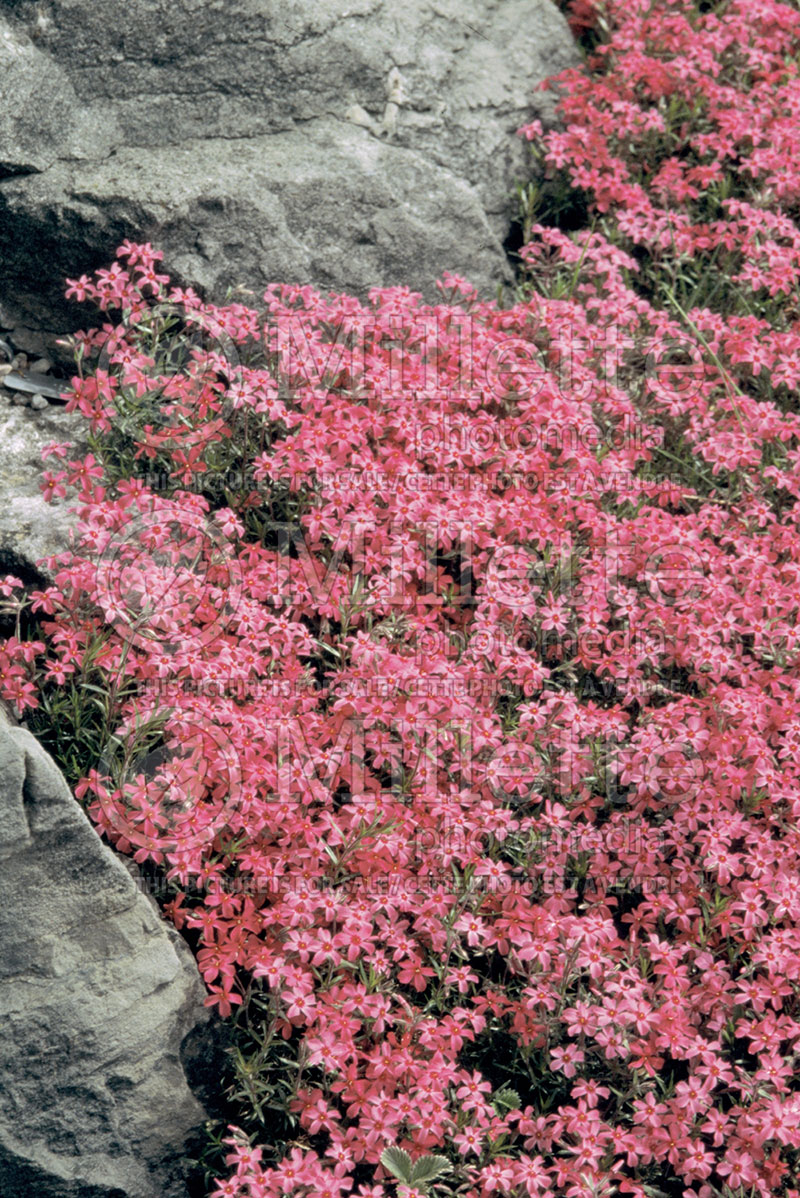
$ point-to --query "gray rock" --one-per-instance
(33, 124)
(342, 143)
(97, 996)
(33, 341)
(38, 403)
(336, 205)
(31, 529)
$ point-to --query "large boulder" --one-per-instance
(342, 143)
(97, 997)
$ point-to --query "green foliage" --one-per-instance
(419, 1173)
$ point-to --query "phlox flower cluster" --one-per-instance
(540, 916)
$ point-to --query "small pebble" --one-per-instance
(21, 399)
(5, 368)
(42, 366)
(19, 362)
(38, 402)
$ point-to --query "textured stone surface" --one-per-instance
(97, 996)
(41, 117)
(31, 529)
(343, 143)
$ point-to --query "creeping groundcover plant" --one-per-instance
(442, 660)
